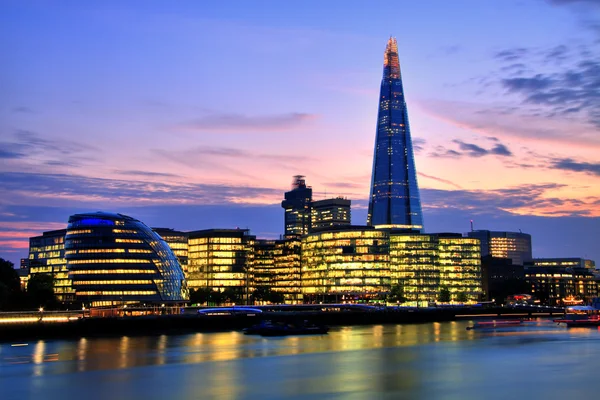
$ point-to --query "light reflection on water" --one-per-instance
(420, 361)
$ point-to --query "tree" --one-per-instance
(216, 297)
(200, 296)
(462, 297)
(231, 295)
(263, 293)
(396, 294)
(10, 284)
(40, 290)
(444, 296)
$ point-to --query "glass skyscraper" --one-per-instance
(394, 201)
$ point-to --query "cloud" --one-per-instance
(146, 173)
(418, 145)
(568, 2)
(9, 153)
(512, 55)
(471, 150)
(435, 178)
(23, 110)
(569, 164)
(58, 189)
(532, 199)
(237, 123)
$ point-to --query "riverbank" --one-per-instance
(187, 323)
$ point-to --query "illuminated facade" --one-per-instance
(114, 259)
(571, 262)
(330, 212)
(394, 200)
(513, 245)
(47, 255)
(178, 242)
(277, 266)
(220, 259)
(345, 263)
(557, 285)
(297, 206)
(414, 265)
(460, 267)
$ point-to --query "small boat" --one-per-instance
(495, 324)
(580, 316)
(267, 328)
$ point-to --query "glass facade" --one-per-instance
(330, 212)
(414, 265)
(394, 200)
(513, 245)
(277, 266)
(47, 255)
(178, 242)
(297, 206)
(220, 259)
(460, 268)
(115, 259)
(349, 264)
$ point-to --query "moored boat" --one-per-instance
(267, 328)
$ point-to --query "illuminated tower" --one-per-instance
(394, 200)
(297, 205)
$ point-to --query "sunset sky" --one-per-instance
(194, 115)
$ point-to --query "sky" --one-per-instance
(196, 115)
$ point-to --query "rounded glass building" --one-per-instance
(115, 259)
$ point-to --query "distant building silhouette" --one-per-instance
(394, 200)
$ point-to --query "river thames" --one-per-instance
(420, 361)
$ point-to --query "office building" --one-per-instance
(555, 284)
(414, 266)
(501, 279)
(345, 264)
(276, 267)
(114, 259)
(394, 200)
(47, 256)
(221, 259)
(513, 245)
(330, 212)
(568, 262)
(297, 206)
(178, 243)
(460, 267)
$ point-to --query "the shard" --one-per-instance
(394, 202)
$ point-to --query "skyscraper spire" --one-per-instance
(394, 201)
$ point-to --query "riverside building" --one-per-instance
(394, 200)
(114, 259)
(178, 243)
(221, 259)
(345, 264)
(47, 256)
(513, 245)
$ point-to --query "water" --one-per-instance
(428, 361)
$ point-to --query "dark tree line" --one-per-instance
(208, 296)
(39, 293)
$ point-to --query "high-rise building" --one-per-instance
(297, 205)
(330, 212)
(513, 245)
(47, 255)
(221, 259)
(394, 200)
(114, 259)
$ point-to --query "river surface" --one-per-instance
(420, 361)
